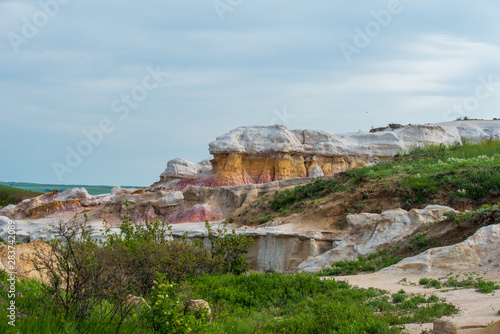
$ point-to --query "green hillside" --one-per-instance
(10, 195)
(44, 188)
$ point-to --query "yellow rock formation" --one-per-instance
(236, 168)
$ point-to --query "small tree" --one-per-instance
(227, 249)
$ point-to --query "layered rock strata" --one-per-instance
(260, 154)
(193, 204)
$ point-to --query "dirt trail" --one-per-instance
(477, 310)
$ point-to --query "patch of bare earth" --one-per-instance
(477, 310)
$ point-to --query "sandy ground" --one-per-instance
(477, 310)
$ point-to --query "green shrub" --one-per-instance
(317, 189)
(370, 263)
(424, 281)
(168, 312)
(421, 240)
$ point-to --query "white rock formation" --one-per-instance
(316, 171)
(257, 140)
(369, 232)
(277, 138)
(80, 194)
(482, 248)
(25, 231)
(183, 169)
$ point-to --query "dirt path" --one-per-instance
(477, 310)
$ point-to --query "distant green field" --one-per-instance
(43, 188)
(9, 195)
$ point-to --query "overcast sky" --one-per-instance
(106, 92)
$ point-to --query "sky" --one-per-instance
(106, 92)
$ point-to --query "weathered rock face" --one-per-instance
(25, 257)
(260, 154)
(181, 173)
(71, 200)
(43, 205)
(478, 250)
(275, 248)
(147, 205)
(192, 204)
(369, 232)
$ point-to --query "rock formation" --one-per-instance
(260, 154)
(480, 249)
(369, 232)
(181, 173)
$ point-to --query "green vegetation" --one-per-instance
(283, 200)
(421, 240)
(429, 174)
(301, 303)
(375, 261)
(44, 188)
(472, 170)
(89, 285)
(370, 263)
(10, 195)
(486, 208)
(470, 281)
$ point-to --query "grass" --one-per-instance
(369, 263)
(471, 280)
(254, 303)
(375, 261)
(283, 200)
(494, 208)
(422, 175)
(302, 303)
(472, 170)
(44, 188)
(11, 195)
(32, 318)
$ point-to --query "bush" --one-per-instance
(89, 279)
(169, 310)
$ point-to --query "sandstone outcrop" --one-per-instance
(147, 205)
(181, 173)
(26, 259)
(480, 249)
(369, 232)
(276, 248)
(194, 203)
(71, 200)
(41, 206)
(262, 154)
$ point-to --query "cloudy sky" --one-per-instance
(106, 92)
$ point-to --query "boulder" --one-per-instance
(26, 255)
(198, 307)
(183, 169)
(444, 326)
(316, 171)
